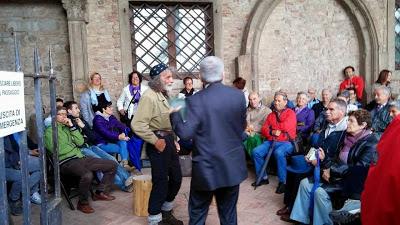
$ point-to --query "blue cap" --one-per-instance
(156, 70)
(298, 165)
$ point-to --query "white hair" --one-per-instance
(386, 90)
(211, 69)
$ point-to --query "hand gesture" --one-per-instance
(177, 146)
(326, 174)
(122, 112)
(121, 136)
(172, 110)
(34, 152)
(79, 122)
(68, 122)
(160, 145)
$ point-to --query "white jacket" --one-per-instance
(126, 97)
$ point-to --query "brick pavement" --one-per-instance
(254, 208)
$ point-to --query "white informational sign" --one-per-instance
(12, 103)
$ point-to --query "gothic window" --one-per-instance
(178, 34)
(397, 35)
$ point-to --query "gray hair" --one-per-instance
(326, 89)
(395, 104)
(302, 93)
(281, 93)
(211, 69)
(386, 90)
(340, 104)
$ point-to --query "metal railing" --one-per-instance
(50, 212)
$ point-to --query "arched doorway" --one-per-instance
(269, 70)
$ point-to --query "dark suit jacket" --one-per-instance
(215, 120)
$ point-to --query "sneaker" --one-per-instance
(129, 188)
(129, 181)
(281, 188)
(348, 213)
(168, 218)
(36, 198)
(15, 207)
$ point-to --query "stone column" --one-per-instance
(77, 20)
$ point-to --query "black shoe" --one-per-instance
(15, 207)
(281, 188)
(168, 218)
(263, 182)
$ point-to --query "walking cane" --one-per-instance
(264, 167)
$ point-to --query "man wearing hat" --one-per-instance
(151, 123)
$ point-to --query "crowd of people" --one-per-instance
(323, 148)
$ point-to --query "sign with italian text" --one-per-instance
(12, 103)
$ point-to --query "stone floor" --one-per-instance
(255, 207)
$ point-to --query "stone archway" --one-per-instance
(360, 17)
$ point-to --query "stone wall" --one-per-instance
(306, 44)
(37, 23)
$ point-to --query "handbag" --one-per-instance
(186, 165)
(125, 118)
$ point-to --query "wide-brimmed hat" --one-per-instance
(298, 165)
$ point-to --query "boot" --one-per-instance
(170, 219)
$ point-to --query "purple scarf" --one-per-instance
(349, 141)
(135, 90)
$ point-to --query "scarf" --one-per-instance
(349, 141)
(135, 89)
(106, 117)
(94, 93)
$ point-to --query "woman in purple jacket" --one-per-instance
(112, 133)
(304, 115)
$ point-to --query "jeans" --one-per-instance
(121, 147)
(120, 176)
(322, 205)
(281, 150)
(15, 176)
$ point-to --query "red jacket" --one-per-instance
(380, 201)
(287, 125)
(357, 82)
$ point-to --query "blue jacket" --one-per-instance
(11, 152)
(216, 119)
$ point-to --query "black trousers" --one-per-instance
(166, 174)
(292, 185)
(226, 198)
(84, 168)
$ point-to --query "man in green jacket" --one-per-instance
(73, 162)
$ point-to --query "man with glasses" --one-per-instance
(73, 162)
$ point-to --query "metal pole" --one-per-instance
(40, 131)
(52, 86)
(26, 201)
(3, 186)
(17, 58)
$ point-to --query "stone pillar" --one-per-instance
(77, 20)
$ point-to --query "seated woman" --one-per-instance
(14, 173)
(304, 115)
(188, 90)
(355, 155)
(112, 133)
(255, 117)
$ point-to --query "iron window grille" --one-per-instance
(177, 34)
(397, 34)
